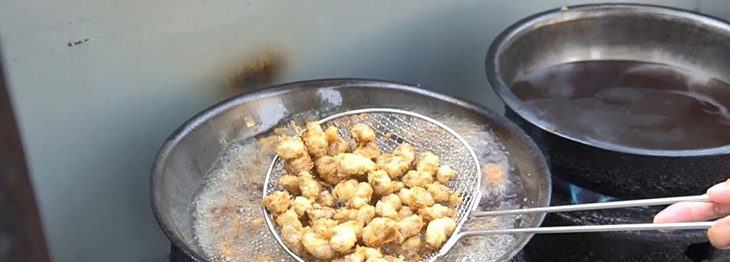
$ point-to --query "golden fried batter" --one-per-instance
(299, 164)
(439, 192)
(309, 187)
(407, 152)
(416, 197)
(439, 230)
(289, 218)
(326, 168)
(444, 174)
(363, 194)
(410, 226)
(319, 212)
(345, 236)
(301, 205)
(380, 231)
(435, 212)
(345, 190)
(381, 183)
(290, 183)
(349, 164)
(369, 150)
(277, 202)
(362, 133)
(316, 245)
(394, 165)
(315, 140)
(290, 147)
(337, 145)
(417, 179)
(325, 198)
(455, 198)
(428, 163)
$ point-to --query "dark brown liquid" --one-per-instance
(634, 104)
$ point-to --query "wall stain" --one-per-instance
(256, 72)
(75, 43)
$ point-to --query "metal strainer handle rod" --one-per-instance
(596, 228)
(595, 206)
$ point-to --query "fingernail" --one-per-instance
(719, 188)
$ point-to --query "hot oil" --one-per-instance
(634, 104)
(228, 217)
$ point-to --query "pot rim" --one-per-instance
(217, 108)
(515, 104)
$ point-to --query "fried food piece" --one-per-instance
(405, 211)
(380, 231)
(290, 183)
(292, 237)
(369, 150)
(363, 194)
(428, 163)
(416, 197)
(277, 202)
(349, 164)
(299, 164)
(289, 218)
(493, 175)
(411, 246)
(444, 174)
(323, 227)
(439, 230)
(337, 145)
(317, 245)
(394, 165)
(363, 215)
(345, 236)
(362, 133)
(435, 212)
(345, 190)
(309, 187)
(455, 198)
(345, 214)
(410, 226)
(319, 212)
(326, 168)
(325, 198)
(382, 184)
(290, 147)
(353, 257)
(417, 179)
(315, 140)
(386, 209)
(439, 192)
(301, 205)
(407, 152)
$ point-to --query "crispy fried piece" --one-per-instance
(369, 150)
(309, 187)
(289, 218)
(292, 237)
(394, 165)
(439, 230)
(319, 212)
(435, 212)
(381, 183)
(337, 145)
(411, 246)
(417, 179)
(323, 227)
(301, 205)
(380, 231)
(362, 215)
(290, 147)
(315, 140)
(407, 152)
(405, 211)
(444, 174)
(416, 197)
(365, 214)
(439, 192)
(325, 198)
(410, 226)
(316, 245)
(327, 170)
(363, 194)
(349, 164)
(345, 236)
(493, 175)
(428, 163)
(345, 190)
(290, 183)
(455, 198)
(299, 164)
(277, 202)
(386, 209)
(362, 133)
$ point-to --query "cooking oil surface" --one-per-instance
(634, 104)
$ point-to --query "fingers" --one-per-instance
(691, 211)
(719, 234)
(720, 193)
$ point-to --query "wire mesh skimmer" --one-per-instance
(393, 127)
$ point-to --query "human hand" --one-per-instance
(719, 207)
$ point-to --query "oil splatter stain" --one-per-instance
(75, 43)
(259, 71)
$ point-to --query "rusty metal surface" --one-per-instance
(21, 233)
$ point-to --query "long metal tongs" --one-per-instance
(596, 228)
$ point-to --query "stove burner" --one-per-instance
(579, 195)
